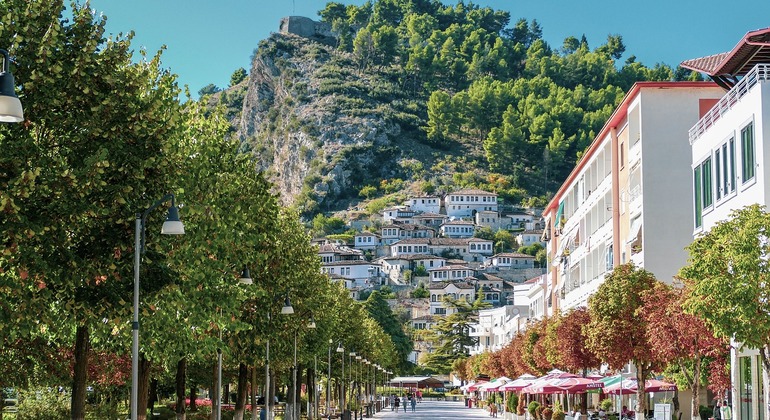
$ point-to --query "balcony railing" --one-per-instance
(760, 73)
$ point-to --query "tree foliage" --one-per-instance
(617, 331)
(727, 279)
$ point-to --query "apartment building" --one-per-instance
(727, 173)
(627, 198)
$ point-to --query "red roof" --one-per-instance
(726, 68)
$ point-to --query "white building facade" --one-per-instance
(466, 203)
(635, 171)
(728, 173)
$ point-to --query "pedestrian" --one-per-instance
(396, 403)
(405, 403)
(727, 413)
(414, 403)
(392, 401)
(718, 411)
(419, 396)
(263, 414)
(493, 409)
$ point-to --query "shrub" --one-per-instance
(705, 412)
(520, 407)
(43, 403)
(532, 408)
(547, 413)
(558, 412)
(513, 402)
(606, 404)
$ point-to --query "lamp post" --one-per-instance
(329, 382)
(172, 226)
(10, 105)
(287, 309)
(341, 350)
(295, 403)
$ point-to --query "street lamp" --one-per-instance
(341, 350)
(10, 105)
(172, 226)
(295, 403)
(329, 382)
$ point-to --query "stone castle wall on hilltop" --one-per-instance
(308, 28)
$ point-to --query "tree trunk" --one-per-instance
(641, 400)
(695, 388)
(193, 397)
(254, 382)
(143, 392)
(310, 389)
(153, 397)
(80, 374)
(215, 397)
(181, 373)
(240, 400)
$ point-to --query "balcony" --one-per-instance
(760, 73)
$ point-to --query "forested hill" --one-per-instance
(399, 96)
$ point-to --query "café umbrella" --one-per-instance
(630, 386)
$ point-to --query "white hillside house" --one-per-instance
(466, 203)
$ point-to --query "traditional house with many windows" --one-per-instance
(466, 203)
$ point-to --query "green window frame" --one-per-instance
(731, 143)
(706, 183)
(697, 199)
(718, 171)
(747, 152)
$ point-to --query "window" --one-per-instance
(610, 261)
(718, 171)
(697, 201)
(708, 198)
(732, 164)
(747, 152)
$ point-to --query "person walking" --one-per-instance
(727, 413)
(405, 403)
(392, 401)
(413, 401)
(396, 403)
(717, 411)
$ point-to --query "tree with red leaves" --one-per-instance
(566, 348)
(682, 339)
(617, 333)
(535, 347)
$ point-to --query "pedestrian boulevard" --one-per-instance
(435, 410)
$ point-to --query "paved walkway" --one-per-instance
(435, 410)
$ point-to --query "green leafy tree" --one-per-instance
(238, 76)
(504, 240)
(450, 334)
(726, 276)
(209, 89)
(420, 292)
(368, 192)
(380, 312)
(105, 124)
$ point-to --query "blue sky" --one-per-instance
(207, 40)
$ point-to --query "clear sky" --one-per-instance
(207, 40)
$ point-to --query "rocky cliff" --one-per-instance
(320, 128)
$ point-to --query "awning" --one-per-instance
(633, 233)
(564, 386)
(494, 385)
(559, 212)
(519, 383)
(630, 386)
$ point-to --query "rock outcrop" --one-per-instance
(319, 128)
